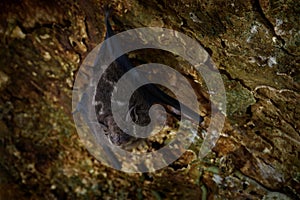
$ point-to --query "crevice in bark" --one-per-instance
(258, 9)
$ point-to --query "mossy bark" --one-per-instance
(255, 46)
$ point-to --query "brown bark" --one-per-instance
(255, 45)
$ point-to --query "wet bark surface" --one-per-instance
(255, 46)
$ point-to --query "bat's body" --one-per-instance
(142, 99)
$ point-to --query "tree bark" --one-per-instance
(255, 46)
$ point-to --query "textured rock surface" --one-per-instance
(255, 45)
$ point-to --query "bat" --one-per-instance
(144, 98)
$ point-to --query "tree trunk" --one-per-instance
(255, 46)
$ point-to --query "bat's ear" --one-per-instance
(107, 11)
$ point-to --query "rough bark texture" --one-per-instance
(255, 45)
